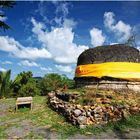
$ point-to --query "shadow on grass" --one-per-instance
(119, 132)
(122, 127)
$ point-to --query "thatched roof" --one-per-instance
(109, 53)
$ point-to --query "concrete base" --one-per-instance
(104, 84)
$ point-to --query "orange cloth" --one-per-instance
(123, 70)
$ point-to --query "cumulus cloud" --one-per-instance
(9, 44)
(136, 35)
(3, 69)
(57, 44)
(42, 10)
(62, 68)
(114, 43)
(32, 53)
(59, 41)
(7, 62)
(97, 37)
(69, 23)
(2, 18)
(62, 8)
(47, 69)
(28, 63)
(121, 29)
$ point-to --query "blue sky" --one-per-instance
(48, 36)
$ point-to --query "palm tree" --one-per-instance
(5, 4)
(5, 83)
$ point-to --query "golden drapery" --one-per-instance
(122, 70)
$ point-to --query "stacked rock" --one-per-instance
(90, 115)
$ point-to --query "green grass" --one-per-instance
(89, 97)
(43, 117)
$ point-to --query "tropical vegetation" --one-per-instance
(4, 5)
(5, 83)
(25, 84)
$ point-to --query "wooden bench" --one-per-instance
(23, 101)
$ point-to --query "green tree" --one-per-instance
(25, 85)
(21, 80)
(5, 4)
(5, 83)
(50, 82)
(29, 89)
(66, 81)
(54, 81)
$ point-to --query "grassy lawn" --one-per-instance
(42, 122)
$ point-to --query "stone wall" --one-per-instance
(89, 115)
(107, 84)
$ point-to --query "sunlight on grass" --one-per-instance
(44, 117)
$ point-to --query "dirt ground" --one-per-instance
(134, 134)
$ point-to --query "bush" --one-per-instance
(25, 85)
(29, 89)
(50, 82)
(66, 81)
(53, 82)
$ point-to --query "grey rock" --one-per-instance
(84, 113)
(97, 115)
(98, 109)
(82, 126)
(77, 112)
(51, 94)
(82, 120)
(88, 114)
(105, 117)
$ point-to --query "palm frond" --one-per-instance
(5, 83)
(4, 26)
(7, 4)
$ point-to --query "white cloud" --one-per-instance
(58, 21)
(48, 70)
(7, 62)
(69, 23)
(37, 27)
(28, 63)
(97, 38)
(59, 42)
(42, 10)
(136, 35)
(9, 44)
(3, 69)
(114, 43)
(62, 8)
(32, 53)
(2, 18)
(121, 29)
(62, 68)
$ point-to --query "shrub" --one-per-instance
(29, 89)
(54, 81)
